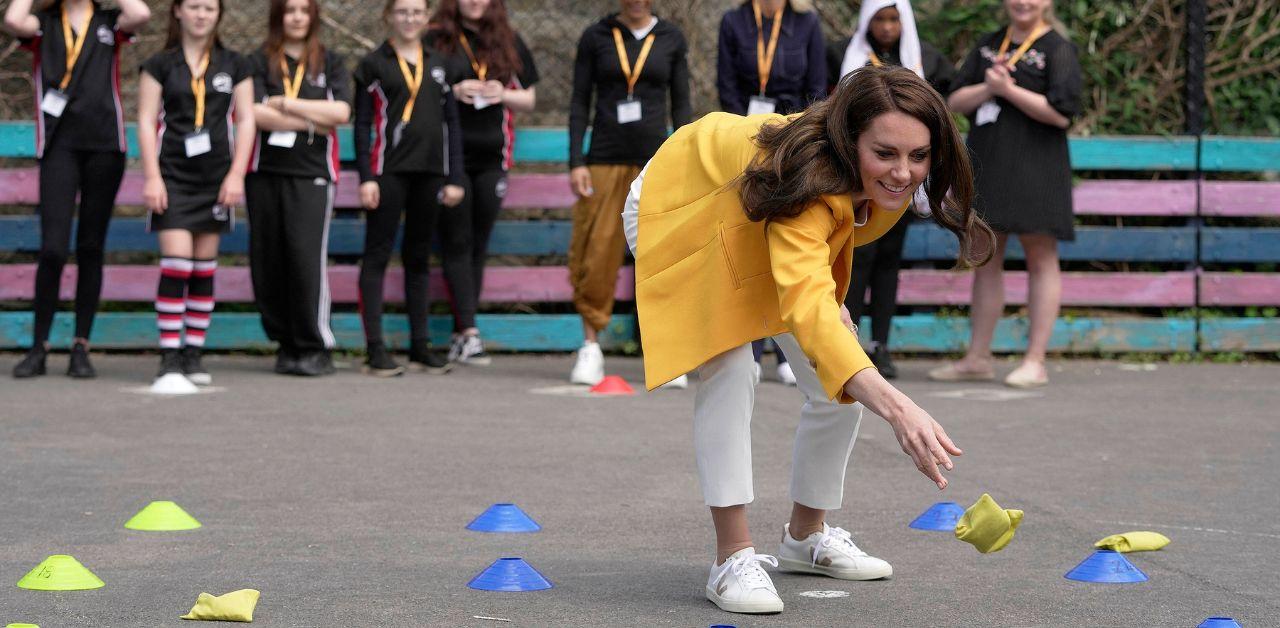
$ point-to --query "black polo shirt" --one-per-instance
(178, 113)
(94, 118)
(309, 157)
(431, 142)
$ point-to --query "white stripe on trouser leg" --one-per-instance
(722, 408)
(824, 438)
(322, 317)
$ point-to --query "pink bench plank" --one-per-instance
(503, 284)
(1240, 198)
(1240, 289)
(942, 287)
(1135, 198)
(20, 186)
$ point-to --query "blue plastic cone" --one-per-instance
(503, 518)
(1219, 622)
(1106, 566)
(942, 517)
(509, 574)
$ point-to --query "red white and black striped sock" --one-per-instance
(199, 300)
(170, 300)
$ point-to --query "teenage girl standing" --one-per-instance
(303, 92)
(496, 80)
(189, 95)
(81, 147)
(409, 153)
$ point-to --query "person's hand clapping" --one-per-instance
(999, 80)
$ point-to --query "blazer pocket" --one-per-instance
(745, 251)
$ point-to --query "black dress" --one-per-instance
(1022, 168)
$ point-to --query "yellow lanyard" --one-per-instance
(1039, 31)
(481, 69)
(291, 88)
(764, 55)
(73, 45)
(874, 59)
(413, 80)
(632, 77)
(198, 89)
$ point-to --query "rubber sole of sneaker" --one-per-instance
(474, 361)
(200, 379)
(792, 565)
(750, 608)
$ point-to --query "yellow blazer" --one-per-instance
(708, 279)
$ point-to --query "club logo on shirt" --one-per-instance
(437, 73)
(320, 81)
(500, 190)
(105, 36)
(222, 83)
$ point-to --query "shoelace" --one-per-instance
(749, 572)
(838, 539)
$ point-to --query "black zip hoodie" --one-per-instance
(664, 79)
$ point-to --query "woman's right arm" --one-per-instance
(919, 435)
(584, 76)
(19, 21)
(153, 189)
(966, 100)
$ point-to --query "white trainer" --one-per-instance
(468, 350)
(741, 584)
(679, 383)
(830, 552)
(786, 375)
(589, 369)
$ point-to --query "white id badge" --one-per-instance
(760, 104)
(283, 139)
(628, 111)
(480, 102)
(987, 113)
(198, 143)
(54, 102)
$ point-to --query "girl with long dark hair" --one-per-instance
(744, 228)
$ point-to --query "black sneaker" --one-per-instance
(170, 362)
(880, 358)
(193, 368)
(422, 358)
(286, 361)
(379, 362)
(32, 364)
(79, 366)
(314, 364)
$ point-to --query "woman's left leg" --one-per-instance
(1044, 295)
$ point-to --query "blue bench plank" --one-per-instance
(928, 241)
(1240, 334)
(1240, 244)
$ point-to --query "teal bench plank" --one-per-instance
(502, 332)
(929, 334)
(1240, 334)
(1133, 153)
(1247, 154)
(1240, 244)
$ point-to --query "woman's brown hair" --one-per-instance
(817, 154)
(497, 45)
(312, 51)
(174, 39)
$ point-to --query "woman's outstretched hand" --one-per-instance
(920, 436)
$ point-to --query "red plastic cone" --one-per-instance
(612, 385)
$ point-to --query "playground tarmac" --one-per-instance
(344, 500)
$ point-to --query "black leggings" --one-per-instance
(465, 232)
(876, 264)
(415, 196)
(95, 176)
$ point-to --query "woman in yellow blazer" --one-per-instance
(744, 228)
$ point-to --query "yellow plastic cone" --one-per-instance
(161, 517)
(60, 573)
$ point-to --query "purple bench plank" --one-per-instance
(1240, 198)
(20, 186)
(943, 287)
(1240, 289)
(1135, 198)
(503, 284)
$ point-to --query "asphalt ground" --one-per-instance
(344, 499)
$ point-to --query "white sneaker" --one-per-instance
(468, 350)
(741, 584)
(830, 552)
(758, 371)
(589, 369)
(785, 375)
(679, 383)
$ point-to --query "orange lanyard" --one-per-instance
(874, 59)
(764, 54)
(413, 80)
(291, 88)
(1037, 33)
(198, 89)
(632, 77)
(481, 69)
(73, 45)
